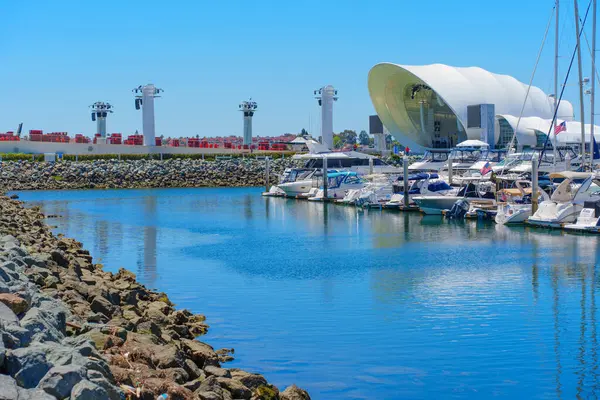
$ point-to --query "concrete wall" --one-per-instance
(29, 147)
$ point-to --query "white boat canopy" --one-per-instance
(472, 143)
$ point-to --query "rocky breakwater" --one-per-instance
(27, 175)
(73, 331)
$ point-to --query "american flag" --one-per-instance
(486, 168)
(560, 127)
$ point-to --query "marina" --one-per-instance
(386, 304)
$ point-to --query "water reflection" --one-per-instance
(391, 304)
(147, 263)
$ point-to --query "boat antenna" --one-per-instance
(562, 91)
(593, 97)
(580, 82)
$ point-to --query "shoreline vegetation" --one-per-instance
(72, 330)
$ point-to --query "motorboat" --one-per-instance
(566, 201)
(338, 183)
(485, 165)
(301, 180)
(422, 184)
(567, 160)
(433, 160)
(473, 188)
(588, 219)
(514, 206)
(465, 154)
(512, 160)
(376, 191)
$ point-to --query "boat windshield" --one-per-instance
(435, 156)
(464, 155)
(342, 162)
(299, 175)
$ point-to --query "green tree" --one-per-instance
(337, 142)
(303, 132)
(363, 138)
(348, 136)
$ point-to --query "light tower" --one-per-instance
(144, 98)
(100, 111)
(249, 108)
(326, 96)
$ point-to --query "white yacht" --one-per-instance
(465, 154)
(588, 219)
(486, 163)
(377, 190)
(338, 183)
(471, 189)
(422, 184)
(433, 160)
(514, 205)
(566, 201)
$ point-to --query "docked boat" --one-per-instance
(433, 160)
(486, 163)
(588, 219)
(338, 183)
(465, 154)
(514, 206)
(566, 201)
(471, 189)
(376, 191)
(422, 184)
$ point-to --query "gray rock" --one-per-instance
(17, 336)
(9, 265)
(192, 369)
(202, 395)
(7, 316)
(2, 353)
(294, 393)
(59, 381)
(8, 388)
(114, 393)
(4, 287)
(43, 325)
(27, 365)
(101, 305)
(216, 371)
(34, 394)
(86, 390)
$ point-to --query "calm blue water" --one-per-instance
(358, 305)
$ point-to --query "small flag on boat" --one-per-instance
(560, 127)
(486, 168)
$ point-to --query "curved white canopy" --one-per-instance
(527, 126)
(458, 87)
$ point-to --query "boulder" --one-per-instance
(236, 388)
(193, 370)
(86, 390)
(44, 325)
(8, 388)
(168, 356)
(16, 303)
(201, 353)
(216, 371)
(59, 381)
(7, 316)
(28, 365)
(102, 305)
(252, 381)
(294, 393)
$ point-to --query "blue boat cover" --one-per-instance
(419, 177)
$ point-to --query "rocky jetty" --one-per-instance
(73, 331)
(101, 174)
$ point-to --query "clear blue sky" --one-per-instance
(58, 57)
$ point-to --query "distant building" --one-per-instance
(439, 106)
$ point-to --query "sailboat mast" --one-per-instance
(580, 84)
(593, 83)
(555, 142)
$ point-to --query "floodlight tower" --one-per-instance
(326, 96)
(248, 108)
(144, 98)
(100, 111)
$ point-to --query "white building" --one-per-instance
(439, 106)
